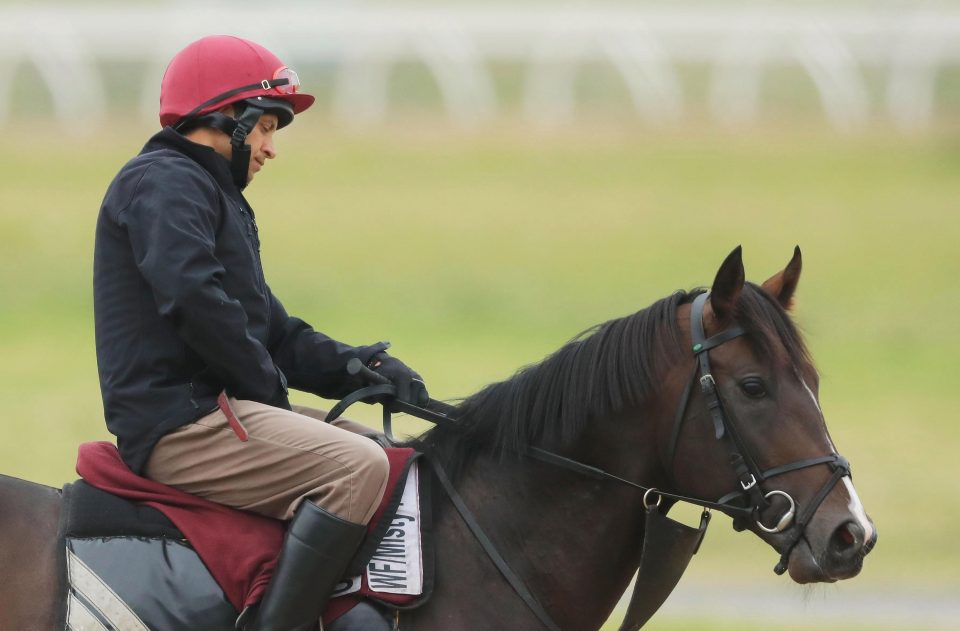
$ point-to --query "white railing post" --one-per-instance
(71, 45)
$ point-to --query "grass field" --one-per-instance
(476, 254)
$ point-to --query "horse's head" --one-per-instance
(749, 428)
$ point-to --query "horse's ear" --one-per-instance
(727, 285)
(783, 285)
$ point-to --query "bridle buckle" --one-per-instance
(707, 383)
(749, 484)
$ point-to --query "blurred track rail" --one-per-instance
(644, 46)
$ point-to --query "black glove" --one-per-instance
(410, 386)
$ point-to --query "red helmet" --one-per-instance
(219, 70)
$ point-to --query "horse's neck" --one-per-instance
(575, 540)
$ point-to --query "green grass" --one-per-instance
(713, 624)
(477, 254)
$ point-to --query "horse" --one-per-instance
(707, 396)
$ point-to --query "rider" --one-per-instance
(195, 353)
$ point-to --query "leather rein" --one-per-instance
(746, 503)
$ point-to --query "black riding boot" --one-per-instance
(315, 554)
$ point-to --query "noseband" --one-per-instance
(750, 500)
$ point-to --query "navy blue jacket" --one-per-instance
(181, 305)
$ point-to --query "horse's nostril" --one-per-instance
(847, 539)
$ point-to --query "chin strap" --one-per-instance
(240, 163)
(238, 129)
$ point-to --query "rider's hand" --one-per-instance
(410, 386)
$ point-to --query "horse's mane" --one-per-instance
(605, 369)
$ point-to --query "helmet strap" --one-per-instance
(240, 163)
(237, 129)
(220, 98)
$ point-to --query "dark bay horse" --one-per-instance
(736, 416)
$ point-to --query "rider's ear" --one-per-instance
(727, 286)
(783, 285)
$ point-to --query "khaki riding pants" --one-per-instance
(288, 457)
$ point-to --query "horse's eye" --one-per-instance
(753, 387)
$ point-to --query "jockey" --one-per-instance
(195, 352)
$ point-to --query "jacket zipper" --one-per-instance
(253, 234)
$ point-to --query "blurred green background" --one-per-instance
(477, 252)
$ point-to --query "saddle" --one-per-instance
(131, 547)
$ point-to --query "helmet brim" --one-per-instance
(285, 107)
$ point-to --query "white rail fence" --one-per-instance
(69, 46)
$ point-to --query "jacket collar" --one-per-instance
(206, 157)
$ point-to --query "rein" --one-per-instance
(675, 543)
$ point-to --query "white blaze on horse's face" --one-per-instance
(856, 508)
(855, 505)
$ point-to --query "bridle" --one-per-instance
(744, 504)
(750, 500)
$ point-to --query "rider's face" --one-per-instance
(261, 144)
(260, 140)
